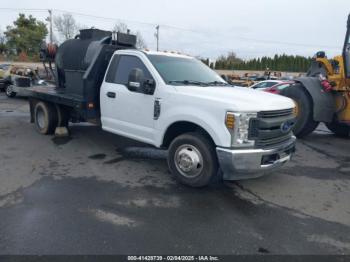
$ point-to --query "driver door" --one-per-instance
(125, 112)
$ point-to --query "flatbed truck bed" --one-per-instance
(54, 94)
(74, 106)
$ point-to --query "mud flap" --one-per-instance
(323, 102)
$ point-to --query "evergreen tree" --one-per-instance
(26, 35)
(287, 63)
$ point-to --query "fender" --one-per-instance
(323, 102)
(203, 119)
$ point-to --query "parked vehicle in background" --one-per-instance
(265, 84)
(3, 69)
(12, 76)
(5, 76)
(244, 83)
(276, 89)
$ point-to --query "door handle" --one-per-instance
(111, 94)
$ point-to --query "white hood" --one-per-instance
(240, 99)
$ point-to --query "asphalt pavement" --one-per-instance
(99, 193)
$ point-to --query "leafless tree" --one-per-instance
(66, 26)
(140, 41)
(123, 28)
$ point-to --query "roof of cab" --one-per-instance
(151, 52)
(166, 53)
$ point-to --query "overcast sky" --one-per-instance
(208, 28)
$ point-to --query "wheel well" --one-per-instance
(182, 127)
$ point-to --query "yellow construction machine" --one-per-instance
(324, 94)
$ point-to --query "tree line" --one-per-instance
(22, 40)
(287, 63)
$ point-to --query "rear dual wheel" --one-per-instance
(48, 116)
(45, 118)
(62, 116)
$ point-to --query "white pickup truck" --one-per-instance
(176, 102)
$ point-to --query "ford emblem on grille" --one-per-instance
(287, 126)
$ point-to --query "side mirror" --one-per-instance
(138, 83)
(135, 81)
(149, 86)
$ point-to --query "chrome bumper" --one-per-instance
(239, 164)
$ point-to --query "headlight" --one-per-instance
(238, 125)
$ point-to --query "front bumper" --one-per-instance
(239, 164)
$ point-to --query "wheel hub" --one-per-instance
(9, 90)
(188, 161)
(40, 119)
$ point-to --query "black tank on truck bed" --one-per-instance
(80, 65)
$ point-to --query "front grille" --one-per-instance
(275, 113)
(266, 128)
(254, 128)
(272, 141)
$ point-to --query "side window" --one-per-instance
(125, 64)
(112, 69)
(121, 66)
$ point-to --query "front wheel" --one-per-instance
(339, 129)
(9, 91)
(192, 159)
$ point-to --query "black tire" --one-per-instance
(9, 92)
(63, 116)
(45, 118)
(339, 129)
(193, 143)
(305, 123)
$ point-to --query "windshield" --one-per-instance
(180, 70)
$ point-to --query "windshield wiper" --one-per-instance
(187, 82)
(217, 83)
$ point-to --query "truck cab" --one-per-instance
(174, 101)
